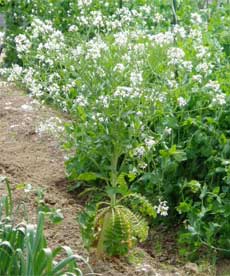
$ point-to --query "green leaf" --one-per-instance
(20, 186)
(216, 190)
(131, 176)
(184, 207)
(180, 155)
(62, 264)
(203, 192)
(194, 185)
(56, 216)
(123, 187)
(90, 176)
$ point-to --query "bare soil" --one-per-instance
(27, 157)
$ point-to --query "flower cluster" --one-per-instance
(162, 208)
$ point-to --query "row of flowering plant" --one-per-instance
(147, 87)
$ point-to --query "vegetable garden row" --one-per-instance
(147, 87)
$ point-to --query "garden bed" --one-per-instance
(145, 91)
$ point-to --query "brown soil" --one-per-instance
(27, 157)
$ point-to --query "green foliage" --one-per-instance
(149, 108)
(208, 222)
(23, 247)
(113, 228)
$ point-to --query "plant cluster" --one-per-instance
(23, 247)
(147, 86)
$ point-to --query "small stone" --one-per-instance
(163, 258)
(72, 201)
(50, 201)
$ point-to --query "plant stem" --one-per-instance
(114, 162)
(174, 7)
(120, 4)
(10, 202)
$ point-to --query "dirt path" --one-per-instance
(27, 157)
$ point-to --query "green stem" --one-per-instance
(114, 162)
(174, 7)
(10, 202)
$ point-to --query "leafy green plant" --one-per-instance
(207, 221)
(23, 248)
(6, 201)
(112, 227)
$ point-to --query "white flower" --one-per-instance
(28, 77)
(54, 89)
(142, 165)
(175, 56)
(53, 126)
(97, 19)
(157, 18)
(121, 38)
(138, 49)
(196, 18)
(202, 52)
(219, 99)
(213, 85)
(84, 3)
(205, 68)
(180, 31)
(16, 73)
(181, 101)
(187, 65)
(161, 98)
(198, 78)
(80, 101)
(104, 100)
(146, 9)
(95, 47)
(162, 208)
(149, 142)
(119, 67)
(161, 39)
(73, 28)
(123, 91)
(76, 52)
(23, 44)
(167, 130)
(136, 78)
(139, 152)
(98, 117)
(172, 84)
(196, 35)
